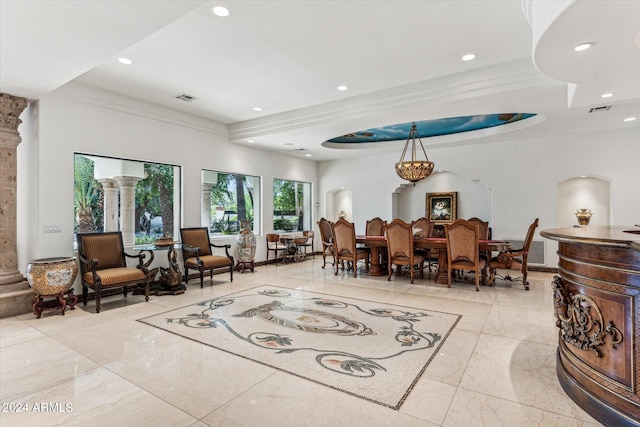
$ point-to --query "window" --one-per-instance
(228, 199)
(291, 205)
(140, 199)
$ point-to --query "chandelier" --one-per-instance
(414, 170)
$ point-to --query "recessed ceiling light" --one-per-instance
(125, 61)
(250, 141)
(342, 88)
(307, 155)
(606, 95)
(629, 119)
(469, 57)
(257, 109)
(220, 11)
(583, 46)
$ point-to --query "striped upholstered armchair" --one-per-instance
(103, 266)
(197, 253)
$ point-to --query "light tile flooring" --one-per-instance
(497, 367)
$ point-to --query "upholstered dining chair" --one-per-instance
(326, 235)
(400, 248)
(375, 227)
(274, 245)
(197, 253)
(344, 246)
(463, 250)
(513, 259)
(422, 228)
(103, 265)
(483, 230)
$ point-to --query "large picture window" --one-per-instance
(228, 199)
(291, 205)
(140, 199)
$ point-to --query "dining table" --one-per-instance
(437, 243)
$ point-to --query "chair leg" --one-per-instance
(201, 278)
(186, 275)
(85, 294)
(477, 281)
(98, 292)
(524, 280)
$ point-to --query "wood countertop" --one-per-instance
(602, 235)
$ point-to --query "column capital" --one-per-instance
(10, 109)
(127, 181)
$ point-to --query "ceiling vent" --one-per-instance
(599, 109)
(186, 98)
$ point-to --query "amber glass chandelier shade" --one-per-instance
(414, 170)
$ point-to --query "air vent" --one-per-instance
(186, 98)
(599, 109)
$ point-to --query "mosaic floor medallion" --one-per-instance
(373, 350)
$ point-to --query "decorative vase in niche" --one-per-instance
(584, 216)
(246, 243)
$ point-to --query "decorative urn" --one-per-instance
(246, 244)
(583, 216)
(52, 276)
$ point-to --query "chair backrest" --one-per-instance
(422, 227)
(198, 237)
(483, 227)
(273, 238)
(462, 241)
(309, 234)
(399, 240)
(325, 230)
(530, 233)
(375, 227)
(107, 248)
(344, 238)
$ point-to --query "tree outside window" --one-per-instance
(291, 205)
(228, 200)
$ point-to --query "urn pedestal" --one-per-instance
(52, 278)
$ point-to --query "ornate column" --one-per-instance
(128, 208)
(110, 189)
(15, 295)
(205, 205)
(10, 109)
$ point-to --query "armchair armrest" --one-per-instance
(508, 256)
(140, 257)
(226, 249)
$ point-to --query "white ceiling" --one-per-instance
(400, 60)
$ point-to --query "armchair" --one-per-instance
(198, 255)
(513, 259)
(422, 228)
(103, 265)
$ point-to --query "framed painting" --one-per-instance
(442, 207)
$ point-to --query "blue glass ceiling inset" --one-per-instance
(431, 128)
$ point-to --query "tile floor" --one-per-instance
(497, 368)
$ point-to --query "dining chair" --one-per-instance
(197, 254)
(344, 246)
(274, 245)
(103, 265)
(513, 259)
(423, 228)
(463, 250)
(308, 243)
(375, 227)
(400, 248)
(326, 235)
(483, 229)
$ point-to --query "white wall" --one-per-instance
(81, 119)
(523, 177)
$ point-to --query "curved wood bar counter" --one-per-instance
(597, 309)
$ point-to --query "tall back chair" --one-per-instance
(400, 248)
(103, 265)
(326, 234)
(344, 246)
(197, 252)
(310, 235)
(463, 251)
(422, 228)
(375, 227)
(274, 245)
(513, 259)
(483, 229)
